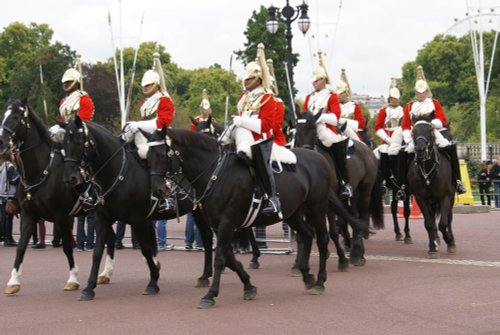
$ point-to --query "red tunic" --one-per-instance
(333, 106)
(266, 116)
(358, 116)
(279, 116)
(86, 110)
(438, 114)
(165, 112)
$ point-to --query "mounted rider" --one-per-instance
(389, 119)
(425, 106)
(76, 101)
(253, 127)
(279, 115)
(205, 111)
(157, 111)
(350, 110)
(323, 99)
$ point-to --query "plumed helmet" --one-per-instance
(421, 84)
(71, 75)
(319, 71)
(150, 77)
(272, 77)
(393, 90)
(252, 70)
(205, 103)
(341, 87)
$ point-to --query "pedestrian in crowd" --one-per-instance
(39, 240)
(192, 233)
(495, 177)
(484, 182)
(120, 235)
(85, 237)
(9, 178)
(161, 233)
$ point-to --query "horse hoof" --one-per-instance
(294, 272)
(433, 255)
(250, 294)
(72, 286)
(310, 282)
(358, 261)
(343, 265)
(201, 282)
(452, 249)
(317, 290)
(151, 290)
(103, 280)
(399, 237)
(206, 303)
(85, 296)
(254, 265)
(408, 240)
(12, 289)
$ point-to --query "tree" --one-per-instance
(22, 50)
(276, 47)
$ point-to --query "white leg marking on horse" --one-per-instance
(108, 267)
(73, 275)
(14, 277)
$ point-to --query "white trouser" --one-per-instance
(131, 132)
(397, 141)
(327, 136)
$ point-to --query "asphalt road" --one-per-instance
(399, 291)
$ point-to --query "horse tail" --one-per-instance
(338, 207)
(376, 205)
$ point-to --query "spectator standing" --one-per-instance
(85, 239)
(161, 233)
(192, 233)
(9, 178)
(495, 177)
(484, 182)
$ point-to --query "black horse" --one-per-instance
(363, 172)
(393, 183)
(430, 182)
(242, 236)
(41, 192)
(123, 184)
(225, 189)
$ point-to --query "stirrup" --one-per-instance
(167, 204)
(272, 206)
(460, 189)
(346, 192)
(401, 194)
(88, 204)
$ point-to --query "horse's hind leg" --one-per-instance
(254, 262)
(334, 235)
(28, 223)
(105, 276)
(64, 224)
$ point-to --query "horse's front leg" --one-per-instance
(147, 239)
(101, 226)
(225, 231)
(305, 233)
(317, 218)
(445, 224)
(430, 226)
(207, 239)
(109, 264)
(407, 212)
(65, 225)
(394, 212)
(28, 223)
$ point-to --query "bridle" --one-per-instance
(15, 146)
(171, 174)
(428, 155)
(85, 168)
(304, 123)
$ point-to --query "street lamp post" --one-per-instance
(289, 14)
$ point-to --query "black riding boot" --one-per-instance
(400, 173)
(455, 168)
(338, 151)
(261, 153)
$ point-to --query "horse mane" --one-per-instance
(191, 138)
(39, 125)
(310, 121)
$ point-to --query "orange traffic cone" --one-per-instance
(415, 212)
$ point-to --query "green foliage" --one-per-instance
(276, 47)
(448, 64)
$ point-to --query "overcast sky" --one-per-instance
(372, 39)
